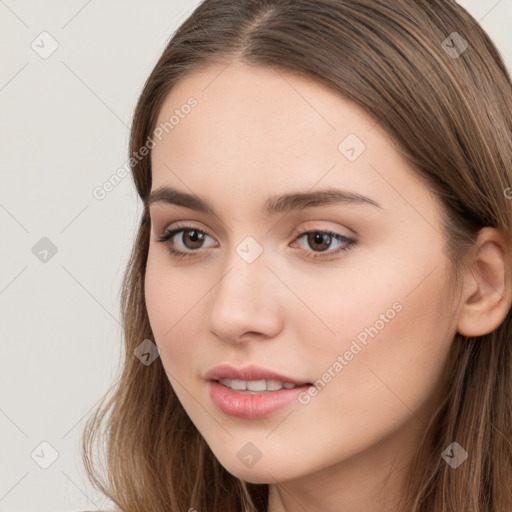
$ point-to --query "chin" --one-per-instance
(261, 473)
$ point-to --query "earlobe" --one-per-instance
(486, 297)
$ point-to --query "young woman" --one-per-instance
(317, 308)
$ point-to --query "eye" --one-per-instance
(322, 240)
(190, 235)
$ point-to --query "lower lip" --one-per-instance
(251, 405)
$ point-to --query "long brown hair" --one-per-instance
(429, 74)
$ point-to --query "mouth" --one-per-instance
(252, 392)
(254, 399)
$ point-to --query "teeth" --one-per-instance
(239, 385)
(275, 385)
(257, 386)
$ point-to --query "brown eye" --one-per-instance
(319, 240)
(195, 237)
(191, 240)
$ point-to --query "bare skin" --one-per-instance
(257, 133)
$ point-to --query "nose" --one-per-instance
(245, 303)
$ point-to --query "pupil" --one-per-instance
(196, 237)
(319, 238)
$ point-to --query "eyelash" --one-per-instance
(166, 236)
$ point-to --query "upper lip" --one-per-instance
(250, 372)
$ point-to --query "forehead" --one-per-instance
(259, 129)
(256, 106)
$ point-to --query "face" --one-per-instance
(349, 295)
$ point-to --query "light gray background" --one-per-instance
(64, 122)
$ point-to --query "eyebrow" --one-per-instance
(274, 205)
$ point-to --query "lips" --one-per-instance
(248, 373)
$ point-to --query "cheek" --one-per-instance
(174, 304)
(159, 297)
(167, 300)
(393, 339)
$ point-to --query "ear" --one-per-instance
(486, 297)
